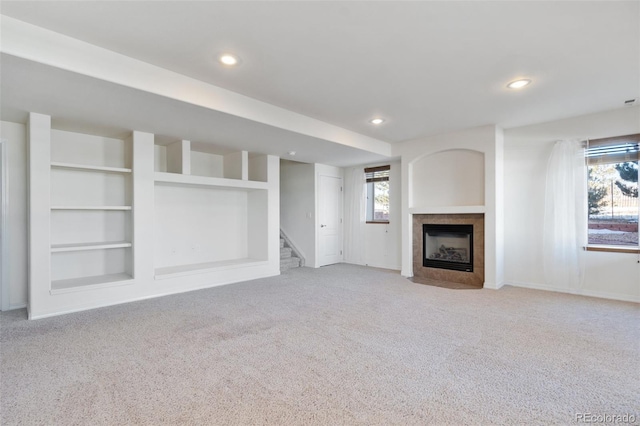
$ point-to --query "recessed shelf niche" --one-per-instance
(183, 157)
(210, 214)
(91, 203)
(78, 269)
(90, 188)
(179, 157)
(203, 227)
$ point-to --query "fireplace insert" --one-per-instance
(447, 247)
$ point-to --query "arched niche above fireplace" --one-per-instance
(453, 177)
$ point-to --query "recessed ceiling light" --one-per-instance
(518, 84)
(229, 59)
(377, 121)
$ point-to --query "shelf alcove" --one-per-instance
(206, 227)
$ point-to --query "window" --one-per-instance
(613, 190)
(377, 194)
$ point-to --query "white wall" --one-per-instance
(182, 214)
(381, 242)
(205, 164)
(297, 206)
(527, 149)
(449, 178)
(16, 136)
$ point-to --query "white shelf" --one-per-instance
(71, 166)
(86, 283)
(201, 268)
(90, 207)
(179, 179)
(446, 209)
(57, 248)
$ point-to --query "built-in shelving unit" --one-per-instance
(212, 221)
(89, 219)
(116, 220)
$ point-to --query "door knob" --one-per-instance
(322, 226)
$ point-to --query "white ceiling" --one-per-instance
(426, 67)
(87, 105)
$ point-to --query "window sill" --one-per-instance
(614, 249)
(379, 222)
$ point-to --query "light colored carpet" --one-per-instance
(338, 345)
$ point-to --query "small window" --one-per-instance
(377, 194)
(613, 190)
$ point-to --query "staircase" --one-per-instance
(287, 259)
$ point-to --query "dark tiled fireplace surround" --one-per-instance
(475, 278)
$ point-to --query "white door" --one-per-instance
(330, 218)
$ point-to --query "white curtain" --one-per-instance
(565, 219)
(355, 213)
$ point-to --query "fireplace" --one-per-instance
(447, 247)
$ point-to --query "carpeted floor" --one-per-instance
(337, 345)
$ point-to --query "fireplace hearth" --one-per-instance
(448, 247)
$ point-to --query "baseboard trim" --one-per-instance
(578, 292)
(392, 268)
(18, 306)
(493, 286)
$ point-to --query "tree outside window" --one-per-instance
(613, 190)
